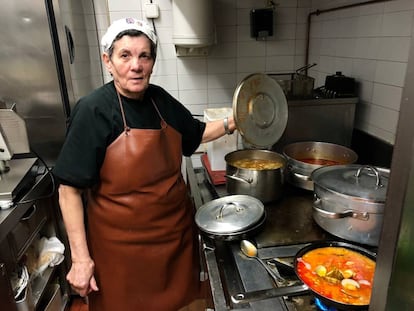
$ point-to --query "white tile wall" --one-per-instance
(373, 47)
(369, 43)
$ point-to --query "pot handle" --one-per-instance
(247, 181)
(297, 175)
(378, 183)
(348, 213)
(239, 207)
(247, 297)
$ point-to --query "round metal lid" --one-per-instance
(361, 181)
(260, 110)
(229, 214)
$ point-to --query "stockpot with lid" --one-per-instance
(260, 112)
(349, 201)
(231, 217)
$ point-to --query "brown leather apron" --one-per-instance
(141, 232)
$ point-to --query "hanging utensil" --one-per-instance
(305, 68)
(302, 84)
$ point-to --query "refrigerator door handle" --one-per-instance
(71, 45)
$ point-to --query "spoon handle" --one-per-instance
(275, 275)
(258, 295)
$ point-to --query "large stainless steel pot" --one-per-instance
(263, 184)
(349, 201)
(300, 155)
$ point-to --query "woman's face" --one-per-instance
(131, 65)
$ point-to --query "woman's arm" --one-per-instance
(81, 272)
(216, 129)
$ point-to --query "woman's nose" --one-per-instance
(136, 63)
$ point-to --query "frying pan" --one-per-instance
(304, 288)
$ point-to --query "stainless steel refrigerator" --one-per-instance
(49, 57)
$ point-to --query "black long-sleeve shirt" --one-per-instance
(96, 121)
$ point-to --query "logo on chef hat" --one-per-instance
(130, 20)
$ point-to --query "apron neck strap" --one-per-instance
(163, 124)
(126, 127)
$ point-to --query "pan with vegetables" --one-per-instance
(338, 273)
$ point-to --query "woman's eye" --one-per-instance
(145, 56)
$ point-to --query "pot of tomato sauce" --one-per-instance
(338, 273)
(305, 157)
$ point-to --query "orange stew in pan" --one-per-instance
(338, 273)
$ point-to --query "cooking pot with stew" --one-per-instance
(304, 157)
(260, 112)
(254, 172)
(349, 201)
(339, 273)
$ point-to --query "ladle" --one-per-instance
(250, 250)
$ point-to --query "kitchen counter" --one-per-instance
(33, 215)
(288, 227)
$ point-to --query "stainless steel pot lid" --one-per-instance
(361, 181)
(229, 214)
(260, 110)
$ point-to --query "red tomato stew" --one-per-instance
(338, 273)
(320, 161)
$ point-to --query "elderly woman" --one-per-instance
(137, 247)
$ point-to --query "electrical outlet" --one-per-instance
(151, 10)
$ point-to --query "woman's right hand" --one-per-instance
(81, 277)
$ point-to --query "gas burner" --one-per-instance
(322, 306)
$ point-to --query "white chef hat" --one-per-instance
(123, 24)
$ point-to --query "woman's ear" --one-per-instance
(107, 61)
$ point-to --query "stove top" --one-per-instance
(323, 92)
(252, 274)
(288, 228)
